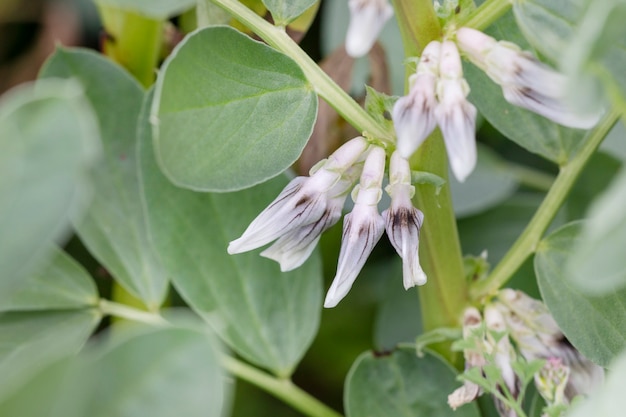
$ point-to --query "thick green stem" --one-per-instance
(321, 82)
(283, 389)
(486, 14)
(527, 243)
(444, 297)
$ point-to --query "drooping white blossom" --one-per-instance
(304, 201)
(414, 114)
(526, 82)
(403, 221)
(362, 228)
(367, 19)
(455, 115)
(294, 248)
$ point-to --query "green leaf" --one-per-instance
(380, 106)
(609, 401)
(535, 133)
(61, 284)
(155, 372)
(548, 25)
(490, 184)
(158, 9)
(401, 384)
(594, 325)
(597, 263)
(114, 229)
(284, 11)
(48, 144)
(229, 112)
(267, 316)
(30, 341)
(160, 373)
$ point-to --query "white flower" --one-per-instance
(294, 248)
(455, 115)
(362, 228)
(414, 114)
(304, 201)
(525, 81)
(403, 221)
(367, 18)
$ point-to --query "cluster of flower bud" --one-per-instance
(308, 206)
(516, 317)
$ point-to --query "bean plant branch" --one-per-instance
(130, 313)
(486, 14)
(526, 244)
(283, 389)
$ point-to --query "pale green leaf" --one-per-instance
(267, 316)
(401, 384)
(114, 229)
(609, 401)
(229, 112)
(595, 325)
(61, 284)
(155, 372)
(284, 11)
(597, 265)
(48, 143)
(30, 341)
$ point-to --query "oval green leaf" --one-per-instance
(594, 325)
(48, 143)
(267, 316)
(401, 384)
(62, 284)
(114, 229)
(30, 341)
(597, 263)
(229, 112)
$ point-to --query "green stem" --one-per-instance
(322, 83)
(130, 313)
(527, 243)
(283, 389)
(486, 14)
(444, 297)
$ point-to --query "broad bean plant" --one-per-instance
(234, 190)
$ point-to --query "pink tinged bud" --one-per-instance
(304, 201)
(414, 114)
(362, 228)
(367, 19)
(455, 115)
(403, 221)
(525, 81)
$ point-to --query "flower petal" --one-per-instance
(367, 18)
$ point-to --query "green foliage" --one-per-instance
(157, 9)
(162, 372)
(401, 384)
(578, 311)
(114, 228)
(229, 112)
(48, 144)
(267, 316)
